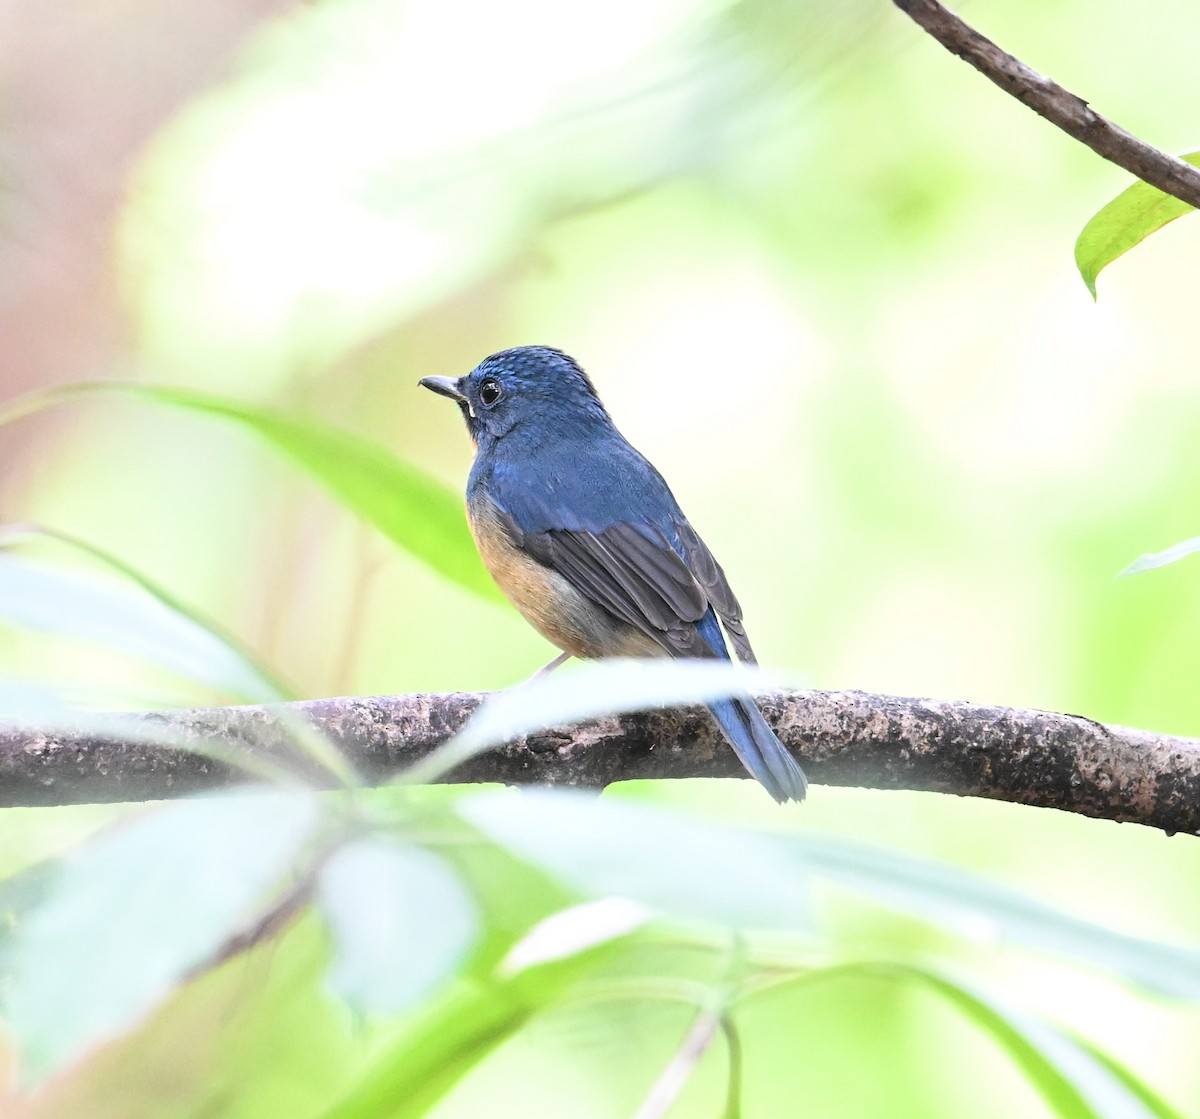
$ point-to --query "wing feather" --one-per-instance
(661, 587)
(708, 574)
(617, 569)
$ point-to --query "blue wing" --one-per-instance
(609, 524)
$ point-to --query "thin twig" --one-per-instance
(286, 910)
(1047, 98)
(679, 1069)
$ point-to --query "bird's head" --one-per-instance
(534, 389)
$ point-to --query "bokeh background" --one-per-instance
(821, 273)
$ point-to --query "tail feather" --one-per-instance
(759, 749)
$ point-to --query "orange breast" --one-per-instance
(560, 613)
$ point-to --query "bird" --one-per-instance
(585, 538)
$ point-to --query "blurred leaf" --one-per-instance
(1151, 560)
(946, 895)
(511, 895)
(326, 235)
(258, 1038)
(401, 919)
(414, 1073)
(111, 929)
(607, 687)
(56, 600)
(155, 626)
(271, 688)
(1075, 1081)
(575, 929)
(51, 711)
(441, 1046)
(411, 508)
(32, 701)
(1151, 1100)
(1069, 1078)
(1126, 221)
(676, 866)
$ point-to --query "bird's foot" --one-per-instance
(546, 669)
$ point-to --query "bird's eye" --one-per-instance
(490, 391)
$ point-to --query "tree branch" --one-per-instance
(1068, 111)
(843, 738)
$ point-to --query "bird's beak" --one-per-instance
(444, 386)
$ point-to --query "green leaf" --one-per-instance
(417, 1071)
(411, 508)
(150, 623)
(1151, 1100)
(1151, 560)
(59, 601)
(674, 865)
(1074, 1084)
(608, 687)
(110, 930)
(1125, 222)
(605, 687)
(946, 895)
(575, 929)
(270, 687)
(402, 921)
(259, 1038)
(444, 1044)
(1074, 1080)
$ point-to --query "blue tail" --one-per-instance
(760, 751)
(752, 739)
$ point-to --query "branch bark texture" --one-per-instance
(1047, 98)
(842, 738)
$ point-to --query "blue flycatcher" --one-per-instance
(587, 540)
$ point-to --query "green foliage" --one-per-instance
(450, 1039)
(1125, 222)
(56, 600)
(942, 895)
(1075, 1082)
(112, 929)
(406, 919)
(259, 1037)
(684, 870)
(401, 922)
